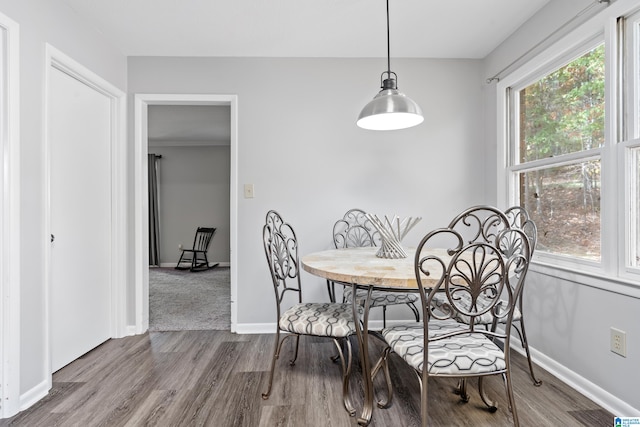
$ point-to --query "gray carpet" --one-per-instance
(182, 300)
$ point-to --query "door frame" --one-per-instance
(141, 202)
(10, 219)
(62, 62)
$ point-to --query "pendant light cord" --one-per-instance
(388, 44)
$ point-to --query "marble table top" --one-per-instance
(363, 267)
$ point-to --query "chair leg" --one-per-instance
(336, 358)
(179, 262)
(383, 363)
(512, 403)
(525, 345)
(197, 265)
(424, 399)
(384, 316)
(346, 373)
(295, 354)
(276, 355)
(331, 289)
(462, 390)
(413, 308)
(483, 395)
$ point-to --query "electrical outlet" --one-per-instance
(619, 342)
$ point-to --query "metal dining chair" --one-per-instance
(329, 320)
(354, 230)
(476, 272)
(482, 223)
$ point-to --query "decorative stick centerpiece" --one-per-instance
(392, 231)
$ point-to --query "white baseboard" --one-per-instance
(130, 330)
(173, 264)
(255, 328)
(613, 404)
(32, 396)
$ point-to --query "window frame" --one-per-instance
(622, 106)
(514, 167)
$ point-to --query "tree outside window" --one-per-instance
(561, 116)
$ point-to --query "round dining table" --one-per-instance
(362, 268)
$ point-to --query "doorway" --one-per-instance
(189, 166)
(142, 104)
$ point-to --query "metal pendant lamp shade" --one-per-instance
(390, 109)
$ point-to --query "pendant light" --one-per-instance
(390, 109)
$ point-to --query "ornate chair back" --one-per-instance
(475, 276)
(355, 230)
(479, 224)
(281, 250)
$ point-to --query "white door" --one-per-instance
(80, 135)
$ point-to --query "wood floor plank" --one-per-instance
(215, 378)
(155, 409)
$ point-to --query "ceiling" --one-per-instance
(293, 28)
(171, 125)
(306, 28)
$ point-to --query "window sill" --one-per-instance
(627, 287)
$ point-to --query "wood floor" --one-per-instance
(215, 378)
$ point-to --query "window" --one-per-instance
(558, 133)
(634, 196)
(570, 151)
(632, 146)
(564, 202)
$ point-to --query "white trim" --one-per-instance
(56, 59)
(10, 217)
(628, 218)
(631, 73)
(141, 213)
(188, 143)
(34, 394)
(141, 209)
(173, 264)
(622, 286)
(585, 387)
(255, 328)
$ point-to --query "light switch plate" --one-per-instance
(248, 191)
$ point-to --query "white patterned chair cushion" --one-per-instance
(465, 354)
(439, 300)
(320, 319)
(380, 298)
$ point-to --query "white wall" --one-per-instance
(193, 182)
(45, 21)
(569, 314)
(300, 147)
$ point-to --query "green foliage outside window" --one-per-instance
(563, 113)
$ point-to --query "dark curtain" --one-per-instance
(154, 222)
